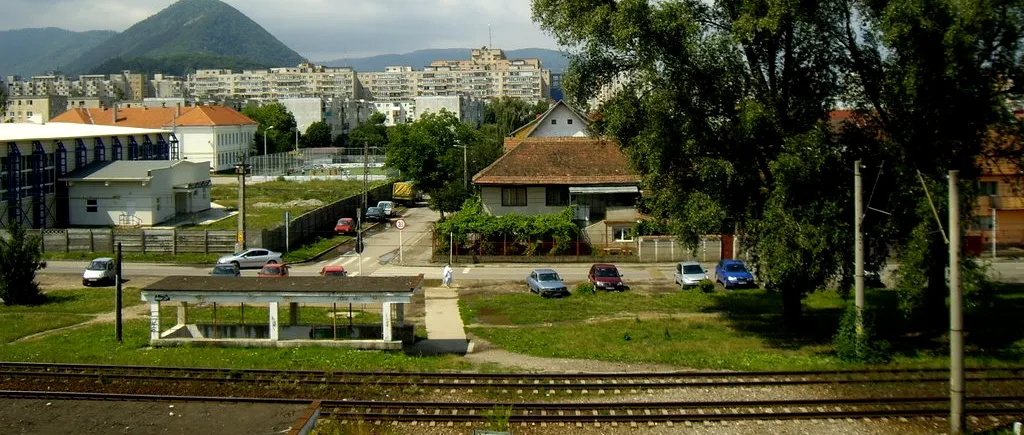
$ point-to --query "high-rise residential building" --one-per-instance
(34, 108)
(125, 85)
(303, 81)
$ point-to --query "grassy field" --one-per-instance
(278, 192)
(737, 330)
(95, 344)
(62, 308)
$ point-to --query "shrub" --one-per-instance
(21, 259)
(706, 285)
(862, 348)
(585, 288)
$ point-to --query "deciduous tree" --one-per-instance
(276, 123)
(317, 135)
(21, 255)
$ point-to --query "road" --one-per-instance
(381, 258)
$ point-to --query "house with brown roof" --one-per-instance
(216, 134)
(544, 175)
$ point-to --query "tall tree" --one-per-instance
(276, 124)
(372, 133)
(931, 80)
(21, 258)
(317, 135)
(429, 153)
(720, 107)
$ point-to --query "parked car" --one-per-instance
(689, 274)
(733, 273)
(547, 283)
(606, 277)
(273, 270)
(251, 258)
(375, 214)
(225, 270)
(388, 206)
(333, 271)
(100, 271)
(345, 226)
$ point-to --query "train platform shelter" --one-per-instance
(379, 324)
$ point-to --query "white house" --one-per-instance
(219, 135)
(559, 120)
(137, 193)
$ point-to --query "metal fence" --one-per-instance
(325, 161)
(662, 249)
(159, 241)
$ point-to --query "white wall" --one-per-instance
(111, 201)
(561, 128)
(221, 146)
(305, 110)
(535, 199)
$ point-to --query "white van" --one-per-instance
(100, 271)
(388, 207)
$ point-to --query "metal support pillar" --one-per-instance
(385, 314)
(957, 418)
(275, 331)
(858, 243)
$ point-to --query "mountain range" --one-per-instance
(189, 35)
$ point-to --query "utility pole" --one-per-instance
(296, 138)
(858, 253)
(956, 318)
(465, 168)
(992, 198)
(241, 169)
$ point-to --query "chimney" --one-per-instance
(115, 113)
(177, 112)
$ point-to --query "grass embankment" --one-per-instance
(279, 193)
(737, 330)
(62, 308)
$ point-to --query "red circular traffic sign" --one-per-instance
(400, 224)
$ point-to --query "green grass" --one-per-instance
(314, 248)
(137, 257)
(258, 218)
(96, 344)
(738, 330)
(14, 325)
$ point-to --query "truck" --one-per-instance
(404, 193)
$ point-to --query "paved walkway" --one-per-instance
(445, 331)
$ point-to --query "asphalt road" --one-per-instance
(382, 257)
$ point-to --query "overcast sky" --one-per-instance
(320, 29)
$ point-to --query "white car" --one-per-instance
(100, 271)
(388, 207)
(689, 274)
(251, 258)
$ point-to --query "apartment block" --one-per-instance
(304, 81)
(36, 109)
(469, 110)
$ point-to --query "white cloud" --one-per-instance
(320, 29)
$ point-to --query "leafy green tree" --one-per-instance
(721, 108)
(276, 123)
(428, 153)
(21, 258)
(317, 135)
(372, 133)
(931, 81)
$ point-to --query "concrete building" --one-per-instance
(215, 134)
(345, 114)
(303, 81)
(395, 83)
(34, 108)
(125, 85)
(469, 110)
(165, 86)
(90, 103)
(305, 110)
(396, 112)
(136, 193)
(42, 154)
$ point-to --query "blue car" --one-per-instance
(547, 283)
(733, 273)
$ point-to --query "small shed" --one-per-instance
(264, 297)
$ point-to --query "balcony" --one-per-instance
(999, 203)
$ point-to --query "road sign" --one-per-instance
(400, 224)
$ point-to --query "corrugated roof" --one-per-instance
(18, 132)
(157, 117)
(120, 170)
(560, 160)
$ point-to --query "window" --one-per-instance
(158, 204)
(556, 197)
(568, 121)
(623, 234)
(29, 113)
(91, 205)
(988, 188)
(554, 121)
(513, 196)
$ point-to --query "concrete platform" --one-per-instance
(216, 342)
(446, 334)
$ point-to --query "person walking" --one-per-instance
(447, 275)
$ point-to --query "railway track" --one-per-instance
(518, 382)
(599, 412)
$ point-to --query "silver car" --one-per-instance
(690, 274)
(547, 283)
(251, 258)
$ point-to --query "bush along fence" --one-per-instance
(136, 240)
(318, 222)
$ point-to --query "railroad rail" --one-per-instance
(502, 381)
(599, 412)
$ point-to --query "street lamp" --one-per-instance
(269, 127)
(465, 170)
(296, 138)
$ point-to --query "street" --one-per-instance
(382, 258)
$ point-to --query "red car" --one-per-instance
(333, 271)
(273, 270)
(605, 277)
(345, 225)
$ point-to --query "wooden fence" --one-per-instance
(171, 241)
